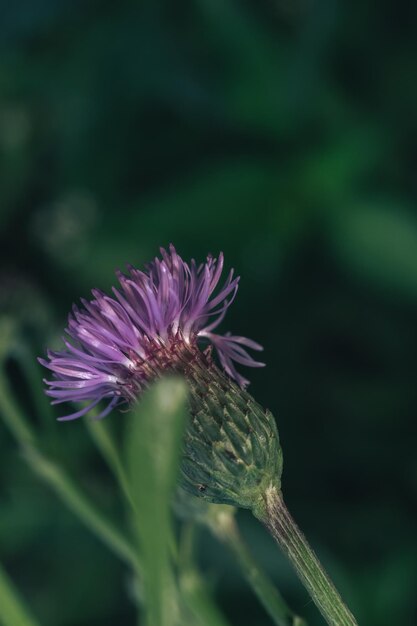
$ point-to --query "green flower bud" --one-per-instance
(231, 448)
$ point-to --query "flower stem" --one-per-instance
(291, 540)
(224, 526)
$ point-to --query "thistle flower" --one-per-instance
(155, 321)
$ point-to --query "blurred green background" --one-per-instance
(283, 133)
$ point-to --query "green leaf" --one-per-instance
(153, 451)
(379, 243)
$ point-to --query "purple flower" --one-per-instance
(117, 344)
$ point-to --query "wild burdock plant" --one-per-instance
(161, 322)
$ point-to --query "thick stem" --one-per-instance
(291, 540)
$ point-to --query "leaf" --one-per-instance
(380, 244)
(153, 450)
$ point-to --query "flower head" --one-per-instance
(117, 344)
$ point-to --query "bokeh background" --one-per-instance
(283, 133)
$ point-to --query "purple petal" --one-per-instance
(109, 337)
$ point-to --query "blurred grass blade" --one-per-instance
(12, 609)
(104, 440)
(199, 601)
(56, 477)
(222, 523)
(32, 372)
(12, 415)
(79, 504)
(194, 589)
(153, 450)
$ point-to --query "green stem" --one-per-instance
(13, 416)
(99, 432)
(105, 444)
(79, 504)
(13, 611)
(291, 540)
(197, 597)
(31, 371)
(224, 526)
(63, 486)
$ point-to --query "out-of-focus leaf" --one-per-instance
(153, 451)
(229, 206)
(200, 601)
(380, 244)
